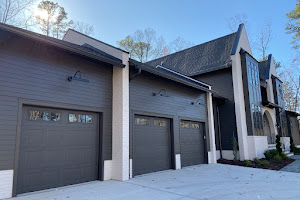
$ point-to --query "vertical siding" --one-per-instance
(176, 106)
(32, 70)
(221, 81)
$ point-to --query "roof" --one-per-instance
(200, 59)
(96, 40)
(171, 75)
(292, 113)
(264, 68)
(74, 48)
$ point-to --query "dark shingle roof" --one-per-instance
(263, 66)
(171, 75)
(203, 58)
(87, 51)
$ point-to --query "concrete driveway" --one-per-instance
(219, 182)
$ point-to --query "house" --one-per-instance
(78, 109)
(253, 110)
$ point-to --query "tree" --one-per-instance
(265, 36)
(61, 24)
(291, 87)
(293, 25)
(15, 12)
(145, 45)
(127, 44)
(83, 27)
(234, 22)
(55, 19)
(179, 44)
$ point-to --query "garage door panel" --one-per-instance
(151, 145)
(55, 153)
(191, 143)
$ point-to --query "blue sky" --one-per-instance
(195, 20)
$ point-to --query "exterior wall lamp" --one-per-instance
(77, 78)
(162, 93)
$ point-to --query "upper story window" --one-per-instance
(254, 95)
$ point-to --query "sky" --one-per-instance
(197, 21)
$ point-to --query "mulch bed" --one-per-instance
(273, 165)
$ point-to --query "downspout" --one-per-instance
(136, 74)
(219, 132)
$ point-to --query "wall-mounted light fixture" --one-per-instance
(162, 93)
(199, 101)
(77, 78)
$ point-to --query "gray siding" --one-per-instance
(31, 70)
(221, 81)
(176, 106)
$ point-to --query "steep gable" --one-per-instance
(203, 58)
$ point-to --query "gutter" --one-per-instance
(56, 44)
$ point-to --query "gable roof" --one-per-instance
(74, 48)
(203, 58)
(171, 75)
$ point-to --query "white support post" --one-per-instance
(120, 122)
(212, 156)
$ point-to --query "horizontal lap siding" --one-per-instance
(177, 105)
(31, 70)
(221, 82)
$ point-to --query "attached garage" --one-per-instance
(57, 148)
(192, 143)
(151, 145)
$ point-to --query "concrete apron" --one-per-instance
(215, 181)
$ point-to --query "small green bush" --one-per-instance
(270, 154)
(257, 161)
(296, 150)
(277, 158)
(292, 145)
(278, 144)
(284, 156)
(265, 163)
(248, 163)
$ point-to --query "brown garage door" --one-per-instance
(191, 143)
(151, 145)
(57, 148)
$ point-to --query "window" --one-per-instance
(80, 118)
(160, 123)
(195, 125)
(184, 124)
(254, 95)
(142, 121)
(43, 116)
(55, 116)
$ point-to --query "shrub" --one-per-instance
(277, 158)
(248, 163)
(278, 144)
(284, 156)
(257, 161)
(296, 150)
(292, 145)
(265, 163)
(269, 154)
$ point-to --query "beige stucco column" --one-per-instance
(239, 103)
(120, 121)
(212, 157)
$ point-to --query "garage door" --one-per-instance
(191, 143)
(151, 145)
(57, 148)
